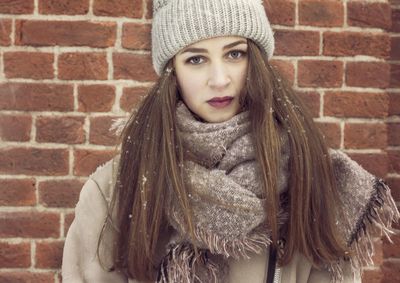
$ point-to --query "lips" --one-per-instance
(220, 102)
(221, 99)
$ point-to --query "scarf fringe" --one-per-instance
(236, 248)
(179, 265)
(381, 211)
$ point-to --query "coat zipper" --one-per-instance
(277, 276)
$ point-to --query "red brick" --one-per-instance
(17, 192)
(15, 255)
(368, 74)
(376, 15)
(68, 221)
(321, 13)
(372, 276)
(372, 135)
(63, 7)
(394, 103)
(132, 97)
(280, 12)
(375, 163)
(285, 69)
(133, 67)
(96, 98)
(311, 100)
(356, 43)
(32, 65)
(394, 158)
(391, 271)
(118, 8)
(356, 104)
(34, 161)
(25, 276)
(64, 129)
(392, 249)
(296, 43)
(16, 7)
(149, 5)
(331, 133)
(49, 254)
(100, 132)
(5, 32)
(394, 185)
(31, 224)
(395, 20)
(393, 134)
(394, 75)
(82, 66)
(136, 36)
(15, 127)
(36, 97)
(316, 73)
(59, 193)
(86, 161)
(395, 47)
(65, 33)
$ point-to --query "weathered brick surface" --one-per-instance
(280, 12)
(356, 104)
(96, 98)
(36, 97)
(26, 276)
(17, 192)
(285, 69)
(136, 36)
(133, 67)
(34, 161)
(100, 131)
(321, 13)
(65, 129)
(15, 127)
(306, 42)
(34, 65)
(5, 32)
(16, 6)
(49, 254)
(331, 133)
(314, 73)
(311, 100)
(368, 74)
(29, 224)
(376, 163)
(131, 97)
(15, 255)
(118, 8)
(86, 161)
(356, 43)
(365, 14)
(59, 193)
(63, 7)
(65, 33)
(362, 136)
(82, 66)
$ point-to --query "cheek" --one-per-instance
(190, 85)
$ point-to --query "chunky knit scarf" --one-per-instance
(225, 195)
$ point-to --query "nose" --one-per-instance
(219, 76)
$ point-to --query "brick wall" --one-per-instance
(69, 67)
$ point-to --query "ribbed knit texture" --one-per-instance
(179, 23)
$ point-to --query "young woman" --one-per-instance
(222, 175)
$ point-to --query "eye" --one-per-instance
(236, 54)
(195, 60)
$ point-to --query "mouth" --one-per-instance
(220, 102)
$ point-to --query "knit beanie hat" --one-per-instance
(179, 23)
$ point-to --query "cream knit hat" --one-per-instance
(178, 23)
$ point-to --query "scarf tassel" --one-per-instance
(381, 211)
(180, 264)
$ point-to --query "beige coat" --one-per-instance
(81, 264)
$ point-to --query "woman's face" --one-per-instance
(211, 75)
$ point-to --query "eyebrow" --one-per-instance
(202, 50)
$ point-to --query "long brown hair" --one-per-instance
(151, 152)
